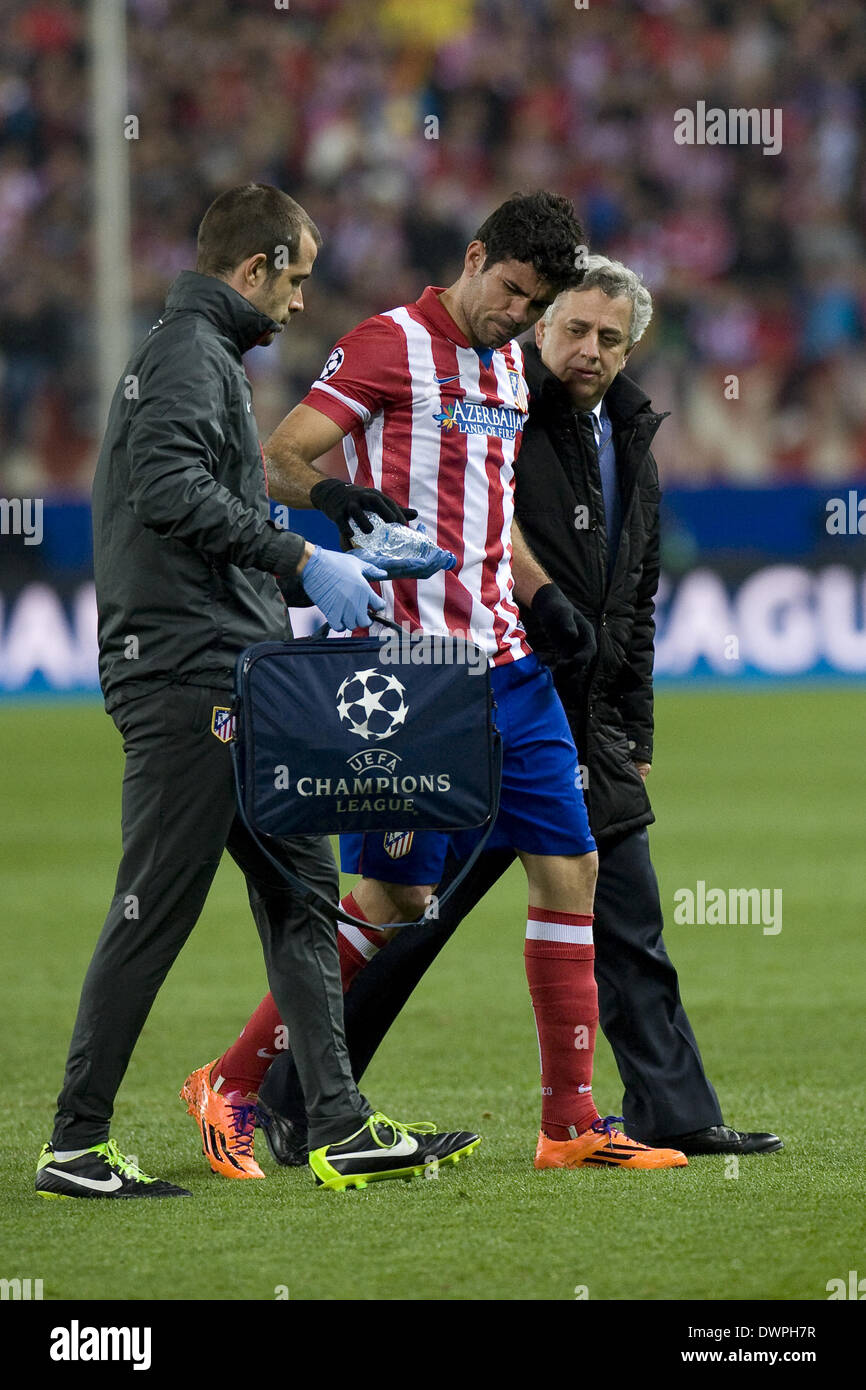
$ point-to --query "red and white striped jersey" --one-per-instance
(437, 424)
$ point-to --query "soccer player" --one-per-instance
(430, 400)
(586, 495)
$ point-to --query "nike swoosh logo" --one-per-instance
(582, 1090)
(404, 1149)
(443, 380)
(262, 1053)
(96, 1184)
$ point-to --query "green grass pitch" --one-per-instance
(755, 789)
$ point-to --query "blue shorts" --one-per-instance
(541, 808)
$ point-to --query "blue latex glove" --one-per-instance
(421, 566)
(337, 584)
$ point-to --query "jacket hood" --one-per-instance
(193, 293)
(624, 398)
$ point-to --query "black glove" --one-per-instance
(344, 502)
(570, 632)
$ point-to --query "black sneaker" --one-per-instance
(384, 1148)
(101, 1171)
(286, 1140)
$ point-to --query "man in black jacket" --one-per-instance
(587, 503)
(186, 566)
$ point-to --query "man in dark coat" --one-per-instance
(186, 565)
(586, 568)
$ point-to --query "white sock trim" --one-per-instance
(356, 938)
(573, 932)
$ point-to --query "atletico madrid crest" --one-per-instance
(397, 843)
(222, 723)
(518, 386)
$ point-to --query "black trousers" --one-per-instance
(178, 816)
(641, 1014)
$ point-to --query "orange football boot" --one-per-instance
(602, 1146)
(226, 1123)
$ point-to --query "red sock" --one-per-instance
(242, 1068)
(559, 955)
(358, 945)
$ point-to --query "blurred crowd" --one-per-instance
(399, 124)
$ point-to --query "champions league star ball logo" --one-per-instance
(333, 364)
(372, 704)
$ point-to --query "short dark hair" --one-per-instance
(538, 228)
(245, 221)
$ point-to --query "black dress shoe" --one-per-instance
(286, 1141)
(719, 1139)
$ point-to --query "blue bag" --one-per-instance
(365, 734)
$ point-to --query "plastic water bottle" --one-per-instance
(394, 540)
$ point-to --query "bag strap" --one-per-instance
(345, 917)
(374, 617)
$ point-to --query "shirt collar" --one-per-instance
(596, 416)
(434, 311)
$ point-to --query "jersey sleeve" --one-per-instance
(366, 371)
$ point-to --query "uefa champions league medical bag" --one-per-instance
(389, 733)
